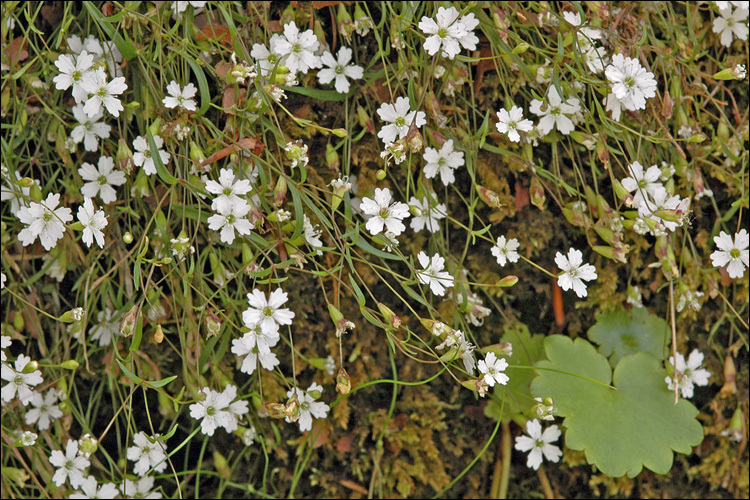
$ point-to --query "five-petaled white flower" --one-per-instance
(444, 32)
(339, 69)
(103, 92)
(231, 217)
(433, 274)
(308, 407)
(228, 190)
(734, 253)
(539, 443)
(146, 454)
(267, 59)
(510, 122)
(688, 374)
(574, 272)
(444, 162)
(182, 97)
(217, 410)
(506, 250)
(18, 381)
(298, 49)
(90, 129)
(72, 70)
(44, 220)
(106, 328)
(631, 83)
(255, 346)
(267, 313)
(642, 183)
(93, 222)
(142, 156)
(493, 367)
(44, 409)
(555, 112)
(731, 23)
(70, 465)
(428, 213)
(142, 487)
(90, 489)
(399, 117)
(384, 214)
(100, 180)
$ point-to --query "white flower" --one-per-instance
(631, 83)
(445, 162)
(614, 105)
(267, 59)
(340, 70)
(399, 117)
(44, 410)
(312, 235)
(298, 49)
(90, 129)
(475, 311)
(106, 328)
(140, 488)
(93, 222)
(308, 407)
(730, 24)
(182, 97)
(506, 250)
(429, 213)
(90, 44)
(642, 183)
(433, 274)
(733, 253)
(267, 313)
(90, 489)
(661, 200)
(492, 368)
(574, 272)
(444, 32)
(688, 374)
(556, 112)
(297, 152)
(231, 217)
(539, 443)
(100, 180)
(228, 190)
(384, 214)
(256, 345)
(142, 156)
(511, 122)
(28, 438)
(18, 381)
(468, 39)
(103, 92)
(213, 411)
(72, 70)
(181, 6)
(70, 466)
(44, 220)
(5, 342)
(596, 58)
(147, 454)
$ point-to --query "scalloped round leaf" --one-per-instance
(630, 332)
(623, 430)
(527, 350)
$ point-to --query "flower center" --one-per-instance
(18, 380)
(227, 191)
(267, 311)
(102, 92)
(68, 464)
(230, 219)
(400, 122)
(296, 48)
(442, 33)
(734, 253)
(339, 70)
(101, 180)
(384, 213)
(210, 411)
(147, 153)
(47, 216)
(629, 82)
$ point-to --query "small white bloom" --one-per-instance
(730, 24)
(492, 368)
(106, 328)
(214, 411)
(733, 254)
(72, 72)
(688, 374)
(574, 272)
(146, 454)
(90, 489)
(538, 443)
(28, 438)
(308, 407)
(384, 214)
(70, 465)
(661, 200)
(44, 220)
(399, 117)
(510, 122)
(229, 190)
(445, 162)
(596, 58)
(298, 49)
(339, 69)
(182, 97)
(103, 92)
(44, 410)
(430, 213)
(444, 32)
(256, 346)
(90, 129)
(140, 488)
(181, 6)
(93, 222)
(642, 183)
(100, 181)
(267, 59)
(142, 156)
(631, 83)
(506, 250)
(312, 235)
(433, 274)
(556, 112)
(231, 217)
(268, 313)
(297, 152)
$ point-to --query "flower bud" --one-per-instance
(365, 120)
(390, 317)
(380, 174)
(72, 316)
(501, 349)
(30, 367)
(507, 282)
(332, 156)
(291, 411)
(343, 382)
(213, 324)
(87, 445)
(536, 192)
(279, 192)
(127, 238)
(490, 197)
(344, 21)
(127, 325)
(70, 364)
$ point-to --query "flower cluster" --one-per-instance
(218, 409)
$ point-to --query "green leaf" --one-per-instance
(159, 383)
(527, 350)
(630, 332)
(132, 376)
(202, 86)
(323, 95)
(623, 430)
